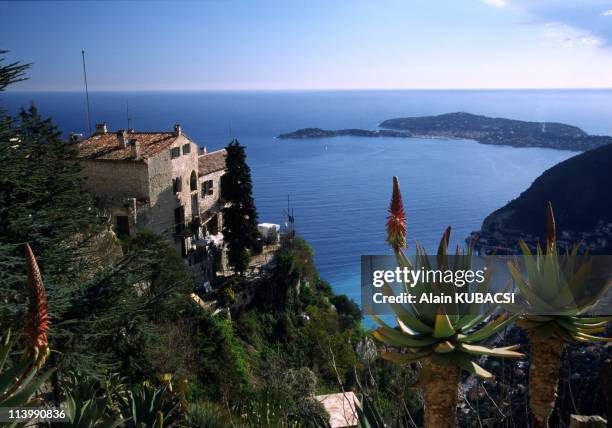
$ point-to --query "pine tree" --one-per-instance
(42, 202)
(11, 73)
(240, 215)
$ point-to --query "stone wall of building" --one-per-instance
(210, 201)
(115, 180)
(210, 207)
(119, 188)
(163, 200)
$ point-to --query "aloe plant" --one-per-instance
(554, 286)
(368, 415)
(444, 343)
(90, 403)
(90, 413)
(19, 383)
(150, 406)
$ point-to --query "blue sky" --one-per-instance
(312, 44)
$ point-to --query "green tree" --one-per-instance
(12, 72)
(41, 201)
(240, 215)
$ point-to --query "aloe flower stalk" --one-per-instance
(37, 322)
(396, 220)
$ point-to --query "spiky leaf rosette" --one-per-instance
(427, 332)
(18, 383)
(37, 321)
(396, 220)
(555, 289)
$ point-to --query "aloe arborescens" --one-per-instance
(445, 343)
(19, 382)
(555, 293)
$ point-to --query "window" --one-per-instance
(179, 219)
(195, 211)
(175, 152)
(193, 181)
(177, 184)
(123, 225)
(207, 188)
(186, 148)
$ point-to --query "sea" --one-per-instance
(338, 189)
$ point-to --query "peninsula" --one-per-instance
(578, 189)
(483, 129)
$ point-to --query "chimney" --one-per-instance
(177, 130)
(123, 138)
(101, 128)
(202, 151)
(137, 153)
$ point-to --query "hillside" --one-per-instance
(579, 189)
(489, 130)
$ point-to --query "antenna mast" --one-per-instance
(86, 92)
(127, 115)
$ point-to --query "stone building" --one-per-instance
(160, 182)
(211, 167)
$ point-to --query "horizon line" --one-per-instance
(313, 89)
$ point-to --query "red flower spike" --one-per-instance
(396, 220)
(38, 321)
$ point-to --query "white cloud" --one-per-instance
(570, 37)
(496, 3)
(590, 41)
(607, 12)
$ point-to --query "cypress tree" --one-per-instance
(240, 215)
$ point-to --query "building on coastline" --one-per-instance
(161, 182)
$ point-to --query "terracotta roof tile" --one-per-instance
(108, 146)
(211, 162)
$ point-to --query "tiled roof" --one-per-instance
(108, 146)
(211, 162)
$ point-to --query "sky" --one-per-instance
(311, 44)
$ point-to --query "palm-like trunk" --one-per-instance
(544, 365)
(441, 396)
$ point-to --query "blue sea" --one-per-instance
(339, 188)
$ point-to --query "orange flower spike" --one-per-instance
(38, 321)
(396, 220)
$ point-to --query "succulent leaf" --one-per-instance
(443, 327)
(484, 350)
